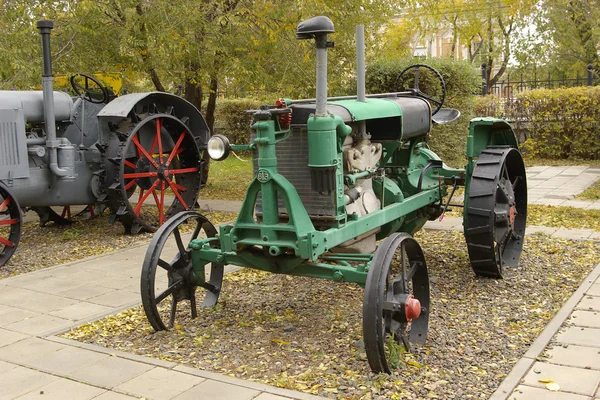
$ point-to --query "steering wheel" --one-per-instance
(405, 78)
(95, 93)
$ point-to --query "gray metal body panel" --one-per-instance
(85, 129)
(416, 116)
(32, 104)
(13, 146)
(144, 103)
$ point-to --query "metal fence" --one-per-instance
(508, 88)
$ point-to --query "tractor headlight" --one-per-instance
(218, 147)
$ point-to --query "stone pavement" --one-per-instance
(34, 307)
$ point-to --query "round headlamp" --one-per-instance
(218, 147)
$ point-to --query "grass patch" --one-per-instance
(591, 193)
(228, 179)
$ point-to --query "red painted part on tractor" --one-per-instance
(285, 120)
(412, 308)
(512, 213)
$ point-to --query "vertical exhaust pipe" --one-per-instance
(52, 143)
(360, 74)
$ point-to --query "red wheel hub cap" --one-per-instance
(512, 213)
(412, 308)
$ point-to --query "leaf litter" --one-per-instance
(306, 334)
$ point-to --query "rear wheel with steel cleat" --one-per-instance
(164, 283)
(11, 222)
(496, 211)
(396, 302)
(159, 173)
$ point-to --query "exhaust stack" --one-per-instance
(52, 143)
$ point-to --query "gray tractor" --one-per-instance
(138, 155)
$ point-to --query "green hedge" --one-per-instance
(232, 120)
(462, 81)
(553, 124)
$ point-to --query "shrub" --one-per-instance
(553, 123)
(462, 81)
(232, 120)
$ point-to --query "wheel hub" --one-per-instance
(141, 166)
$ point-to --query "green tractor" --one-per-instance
(340, 186)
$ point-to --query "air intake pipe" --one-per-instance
(52, 143)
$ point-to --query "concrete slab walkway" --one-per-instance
(34, 363)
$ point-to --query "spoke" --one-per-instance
(143, 151)
(143, 198)
(178, 187)
(180, 246)
(175, 149)
(427, 97)
(183, 170)
(417, 78)
(159, 205)
(404, 283)
(164, 265)
(129, 164)
(158, 137)
(413, 269)
(514, 184)
(130, 184)
(172, 185)
(6, 242)
(169, 290)
(5, 203)
(140, 175)
(9, 221)
(162, 202)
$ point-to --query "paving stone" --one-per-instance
(530, 230)
(62, 389)
(46, 303)
(117, 298)
(530, 393)
(81, 311)
(25, 280)
(583, 318)
(39, 324)
(589, 303)
(5, 366)
(10, 337)
(575, 356)
(117, 282)
(66, 360)
(114, 396)
(17, 296)
(580, 336)
(269, 396)
(575, 380)
(27, 350)
(594, 290)
(573, 234)
(109, 372)
(85, 292)
(535, 169)
(19, 381)
(54, 285)
(12, 314)
(210, 389)
(160, 383)
(594, 206)
(577, 203)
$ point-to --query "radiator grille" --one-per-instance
(9, 152)
(292, 162)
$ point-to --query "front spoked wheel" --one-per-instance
(11, 223)
(396, 302)
(167, 274)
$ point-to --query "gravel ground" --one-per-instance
(306, 334)
(42, 247)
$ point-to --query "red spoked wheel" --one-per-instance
(11, 222)
(159, 175)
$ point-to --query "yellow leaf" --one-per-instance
(553, 386)
(545, 380)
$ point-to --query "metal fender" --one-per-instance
(484, 132)
(121, 107)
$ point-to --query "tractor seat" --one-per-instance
(445, 116)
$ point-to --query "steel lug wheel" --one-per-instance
(167, 273)
(396, 301)
(159, 174)
(496, 211)
(11, 222)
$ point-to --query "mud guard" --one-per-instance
(484, 132)
(168, 103)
